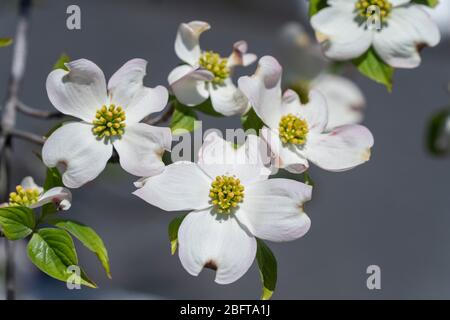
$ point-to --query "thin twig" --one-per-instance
(28, 136)
(8, 123)
(2, 143)
(10, 269)
(32, 112)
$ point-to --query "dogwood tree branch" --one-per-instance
(28, 136)
(8, 123)
(32, 112)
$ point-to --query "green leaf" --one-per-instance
(207, 108)
(316, 5)
(371, 66)
(167, 158)
(183, 118)
(307, 179)
(53, 251)
(17, 222)
(438, 136)
(60, 63)
(4, 42)
(251, 121)
(429, 3)
(267, 268)
(52, 179)
(88, 237)
(174, 225)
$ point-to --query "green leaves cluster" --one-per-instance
(53, 252)
(51, 247)
(267, 262)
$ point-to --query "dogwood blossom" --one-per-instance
(206, 74)
(232, 202)
(29, 194)
(347, 30)
(296, 132)
(110, 118)
(305, 68)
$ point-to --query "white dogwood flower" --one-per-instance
(305, 68)
(232, 202)
(296, 132)
(110, 117)
(347, 29)
(207, 74)
(29, 194)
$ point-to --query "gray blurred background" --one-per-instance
(393, 211)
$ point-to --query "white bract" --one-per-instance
(344, 99)
(305, 68)
(232, 202)
(297, 132)
(347, 29)
(29, 194)
(110, 117)
(441, 14)
(207, 74)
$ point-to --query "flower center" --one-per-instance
(217, 65)
(226, 193)
(364, 10)
(109, 122)
(292, 129)
(23, 197)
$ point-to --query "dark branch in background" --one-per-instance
(28, 136)
(8, 123)
(32, 112)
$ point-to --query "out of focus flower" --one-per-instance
(305, 68)
(207, 74)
